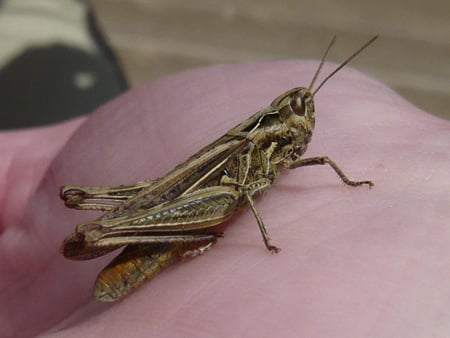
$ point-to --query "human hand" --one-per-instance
(355, 262)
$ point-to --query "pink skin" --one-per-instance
(355, 262)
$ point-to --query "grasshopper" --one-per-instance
(170, 218)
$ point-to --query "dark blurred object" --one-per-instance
(57, 81)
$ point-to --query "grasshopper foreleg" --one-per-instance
(322, 160)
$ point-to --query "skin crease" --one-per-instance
(355, 262)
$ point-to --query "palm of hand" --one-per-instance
(354, 262)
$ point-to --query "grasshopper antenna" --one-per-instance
(351, 57)
(316, 74)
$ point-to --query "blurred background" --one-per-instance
(100, 48)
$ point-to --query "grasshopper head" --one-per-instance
(297, 101)
(296, 106)
(296, 109)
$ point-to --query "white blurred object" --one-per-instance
(31, 23)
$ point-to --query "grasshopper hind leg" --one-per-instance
(100, 198)
(197, 251)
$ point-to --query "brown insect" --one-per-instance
(173, 217)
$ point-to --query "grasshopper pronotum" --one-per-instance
(163, 220)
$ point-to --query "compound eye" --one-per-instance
(297, 106)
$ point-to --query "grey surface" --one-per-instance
(412, 56)
(53, 63)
